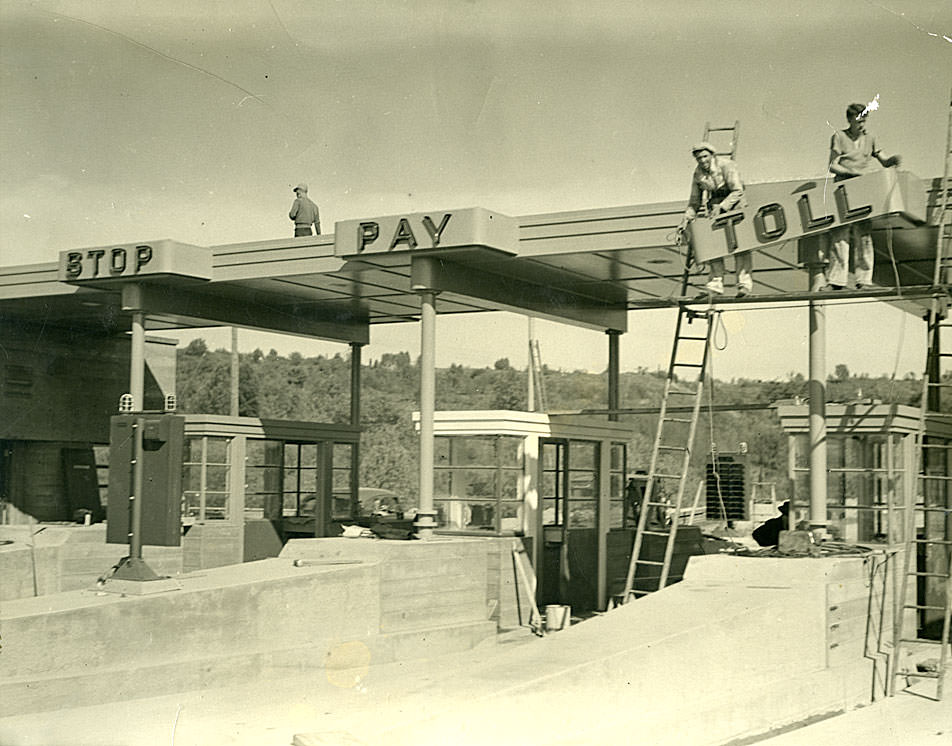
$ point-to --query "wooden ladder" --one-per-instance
(934, 485)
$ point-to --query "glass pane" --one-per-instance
(548, 484)
(582, 514)
(550, 454)
(290, 503)
(308, 480)
(450, 514)
(192, 501)
(549, 513)
(510, 516)
(441, 450)
(192, 478)
(290, 454)
(582, 455)
(216, 506)
(616, 513)
(262, 479)
(309, 454)
(341, 480)
(474, 451)
(342, 455)
(617, 486)
(510, 483)
(618, 457)
(193, 450)
(290, 479)
(581, 484)
(474, 483)
(254, 501)
(442, 480)
(216, 478)
(217, 452)
(509, 451)
(482, 516)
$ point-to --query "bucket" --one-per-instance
(557, 617)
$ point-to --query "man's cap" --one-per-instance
(705, 145)
(302, 187)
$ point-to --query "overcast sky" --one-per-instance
(132, 121)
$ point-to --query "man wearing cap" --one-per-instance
(716, 186)
(853, 152)
(304, 212)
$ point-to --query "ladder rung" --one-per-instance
(676, 419)
(683, 392)
(940, 477)
(656, 533)
(696, 339)
(923, 674)
(919, 639)
(634, 592)
(653, 502)
(932, 541)
(924, 607)
(920, 574)
(650, 562)
(668, 476)
(687, 365)
(671, 448)
(939, 384)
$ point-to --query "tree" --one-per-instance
(841, 372)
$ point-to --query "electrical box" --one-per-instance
(726, 486)
(163, 439)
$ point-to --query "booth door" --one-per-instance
(568, 572)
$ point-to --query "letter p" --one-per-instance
(367, 233)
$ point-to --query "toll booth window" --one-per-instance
(342, 507)
(864, 485)
(583, 484)
(300, 489)
(478, 483)
(205, 478)
(263, 478)
(618, 467)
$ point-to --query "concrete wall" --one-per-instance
(65, 558)
(345, 600)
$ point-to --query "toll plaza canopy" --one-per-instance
(588, 268)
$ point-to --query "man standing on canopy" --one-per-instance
(853, 152)
(304, 213)
(716, 187)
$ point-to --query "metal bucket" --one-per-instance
(557, 617)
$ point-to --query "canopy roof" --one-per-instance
(587, 268)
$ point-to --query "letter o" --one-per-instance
(117, 261)
(764, 234)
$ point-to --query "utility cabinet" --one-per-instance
(163, 437)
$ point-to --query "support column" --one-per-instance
(613, 372)
(233, 409)
(137, 362)
(817, 394)
(530, 370)
(425, 522)
(355, 349)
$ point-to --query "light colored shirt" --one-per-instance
(722, 185)
(304, 212)
(855, 157)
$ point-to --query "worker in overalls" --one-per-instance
(716, 188)
(304, 213)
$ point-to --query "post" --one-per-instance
(530, 369)
(355, 349)
(817, 394)
(234, 372)
(613, 373)
(425, 522)
(137, 362)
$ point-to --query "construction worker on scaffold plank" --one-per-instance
(715, 188)
(853, 152)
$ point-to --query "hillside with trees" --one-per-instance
(317, 389)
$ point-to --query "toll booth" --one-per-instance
(557, 481)
(871, 481)
(249, 484)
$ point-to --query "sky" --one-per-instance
(122, 122)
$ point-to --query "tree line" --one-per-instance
(317, 389)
